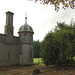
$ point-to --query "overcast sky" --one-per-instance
(42, 18)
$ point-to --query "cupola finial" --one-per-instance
(26, 17)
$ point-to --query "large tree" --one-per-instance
(56, 3)
(58, 47)
(66, 51)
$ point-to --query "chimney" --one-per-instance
(9, 23)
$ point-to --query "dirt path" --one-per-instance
(28, 70)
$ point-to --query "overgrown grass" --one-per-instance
(38, 61)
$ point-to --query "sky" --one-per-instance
(42, 18)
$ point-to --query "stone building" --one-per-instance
(16, 50)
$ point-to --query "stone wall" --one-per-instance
(27, 50)
(9, 50)
(2, 38)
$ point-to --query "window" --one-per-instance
(31, 37)
(25, 37)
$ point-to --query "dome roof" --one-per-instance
(25, 27)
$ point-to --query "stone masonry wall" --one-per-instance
(9, 50)
(27, 51)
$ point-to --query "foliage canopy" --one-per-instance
(56, 3)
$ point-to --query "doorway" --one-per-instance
(21, 59)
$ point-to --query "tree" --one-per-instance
(56, 3)
(66, 37)
(36, 49)
(66, 53)
(49, 52)
(58, 47)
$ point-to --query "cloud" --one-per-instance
(42, 18)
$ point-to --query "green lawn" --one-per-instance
(38, 61)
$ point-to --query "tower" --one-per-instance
(26, 38)
(9, 23)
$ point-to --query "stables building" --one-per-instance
(16, 50)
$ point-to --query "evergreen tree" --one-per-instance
(36, 49)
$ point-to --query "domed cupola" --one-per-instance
(26, 40)
(25, 27)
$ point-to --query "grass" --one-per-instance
(38, 61)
